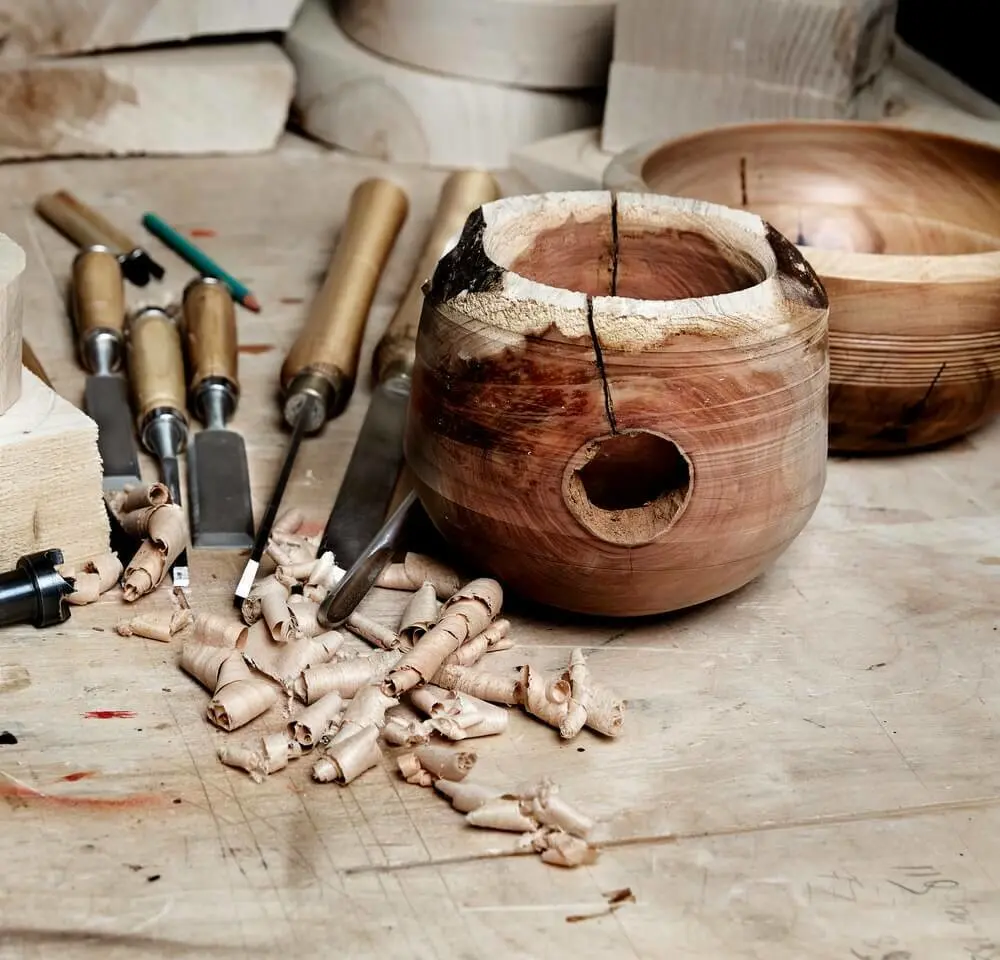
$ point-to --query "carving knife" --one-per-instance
(86, 227)
(218, 477)
(318, 374)
(373, 471)
(98, 305)
(156, 371)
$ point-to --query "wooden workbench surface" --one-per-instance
(810, 768)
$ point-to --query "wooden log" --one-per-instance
(570, 161)
(712, 62)
(50, 478)
(544, 44)
(12, 264)
(189, 100)
(351, 98)
(33, 29)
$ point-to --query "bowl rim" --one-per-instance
(624, 173)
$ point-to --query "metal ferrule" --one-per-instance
(94, 248)
(201, 281)
(102, 351)
(164, 432)
(215, 402)
(319, 395)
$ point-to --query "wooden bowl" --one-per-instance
(903, 227)
(619, 405)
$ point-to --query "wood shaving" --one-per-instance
(166, 537)
(492, 639)
(288, 521)
(459, 716)
(348, 759)
(366, 708)
(312, 723)
(428, 763)
(465, 614)
(419, 614)
(346, 676)
(417, 569)
(95, 577)
(465, 795)
(373, 632)
(220, 631)
(154, 626)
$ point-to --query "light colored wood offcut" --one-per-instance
(569, 161)
(795, 755)
(711, 61)
(558, 44)
(188, 100)
(50, 478)
(352, 98)
(33, 28)
(11, 268)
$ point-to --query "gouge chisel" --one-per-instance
(156, 372)
(218, 477)
(318, 374)
(98, 299)
(367, 489)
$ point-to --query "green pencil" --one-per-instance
(199, 259)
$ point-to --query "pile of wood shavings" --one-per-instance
(418, 688)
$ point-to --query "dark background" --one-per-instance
(956, 35)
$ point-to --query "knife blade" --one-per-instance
(373, 470)
(98, 298)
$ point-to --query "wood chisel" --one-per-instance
(367, 489)
(218, 476)
(86, 227)
(156, 372)
(318, 374)
(98, 299)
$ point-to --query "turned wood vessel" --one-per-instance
(903, 227)
(619, 404)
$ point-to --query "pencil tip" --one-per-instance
(251, 303)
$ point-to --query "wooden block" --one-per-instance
(12, 264)
(352, 98)
(570, 161)
(33, 28)
(232, 98)
(691, 64)
(50, 478)
(557, 44)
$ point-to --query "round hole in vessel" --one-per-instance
(628, 488)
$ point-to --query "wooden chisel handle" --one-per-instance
(81, 223)
(98, 293)
(463, 192)
(210, 332)
(155, 364)
(327, 348)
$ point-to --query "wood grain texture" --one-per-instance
(569, 161)
(540, 44)
(790, 750)
(542, 438)
(349, 97)
(50, 478)
(76, 26)
(711, 62)
(188, 100)
(904, 229)
(12, 263)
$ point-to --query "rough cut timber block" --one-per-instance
(33, 28)
(684, 65)
(570, 161)
(50, 478)
(231, 98)
(11, 267)
(349, 97)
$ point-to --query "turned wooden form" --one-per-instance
(619, 405)
(903, 227)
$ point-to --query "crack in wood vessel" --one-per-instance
(619, 403)
(903, 227)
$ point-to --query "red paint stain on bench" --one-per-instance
(108, 714)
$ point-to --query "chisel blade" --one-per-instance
(105, 400)
(219, 487)
(370, 480)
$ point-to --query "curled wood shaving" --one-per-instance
(261, 758)
(428, 763)
(345, 676)
(459, 716)
(501, 814)
(348, 759)
(417, 569)
(313, 722)
(366, 708)
(220, 631)
(465, 614)
(493, 687)
(166, 537)
(250, 609)
(285, 662)
(465, 795)
(86, 587)
(493, 638)
(137, 497)
(372, 631)
(404, 728)
(306, 614)
(154, 626)
(419, 614)
(96, 576)
(289, 521)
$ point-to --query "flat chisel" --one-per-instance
(156, 372)
(86, 227)
(98, 299)
(317, 377)
(372, 474)
(218, 477)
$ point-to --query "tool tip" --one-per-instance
(251, 303)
